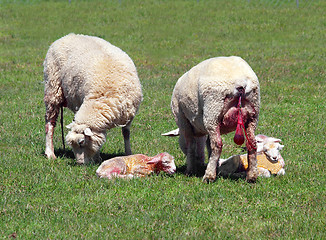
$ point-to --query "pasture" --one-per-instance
(57, 199)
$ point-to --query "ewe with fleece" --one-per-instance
(99, 83)
(205, 101)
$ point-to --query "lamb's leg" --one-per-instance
(216, 146)
(126, 138)
(251, 145)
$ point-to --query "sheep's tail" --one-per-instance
(62, 133)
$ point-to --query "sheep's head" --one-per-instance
(164, 162)
(85, 143)
(270, 146)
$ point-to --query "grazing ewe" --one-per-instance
(213, 98)
(269, 159)
(137, 165)
(99, 83)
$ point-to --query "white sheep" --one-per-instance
(137, 165)
(99, 83)
(269, 159)
(207, 100)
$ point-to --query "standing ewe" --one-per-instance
(207, 100)
(138, 165)
(99, 83)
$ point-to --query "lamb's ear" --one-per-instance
(154, 160)
(260, 138)
(172, 133)
(280, 147)
(88, 132)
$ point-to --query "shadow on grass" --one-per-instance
(68, 153)
(201, 172)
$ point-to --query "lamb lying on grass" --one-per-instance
(269, 159)
(99, 83)
(138, 165)
(217, 96)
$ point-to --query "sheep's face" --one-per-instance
(85, 143)
(272, 150)
(270, 146)
(167, 163)
(163, 162)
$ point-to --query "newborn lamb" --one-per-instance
(269, 159)
(138, 165)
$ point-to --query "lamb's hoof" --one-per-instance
(209, 178)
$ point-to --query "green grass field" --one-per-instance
(56, 199)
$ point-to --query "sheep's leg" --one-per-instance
(53, 99)
(183, 143)
(126, 138)
(251, 145)
(208, 146)
(216, 146)
(200, 150)
(187, 142)
(195, 155)
(191, 152)
(50, 122)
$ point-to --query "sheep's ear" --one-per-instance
(154, 160)
(81, 141)
(280, 147)
(277, 140)
(88, 132)
(70, 125)
(260, 138)
(172, 133)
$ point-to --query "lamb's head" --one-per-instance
(85, 143)
(270, 146)
(163, 162)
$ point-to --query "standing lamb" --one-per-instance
(99, 83)
(207, 100)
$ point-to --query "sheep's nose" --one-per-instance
(275, 159)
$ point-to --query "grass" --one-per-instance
(56, 199)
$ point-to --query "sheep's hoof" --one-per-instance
(199, 171)
(81, 162)
(252, 176)
(209, 178)
(50, 156)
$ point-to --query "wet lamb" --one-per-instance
(99, 83)
(138, 165)
(211, 99)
